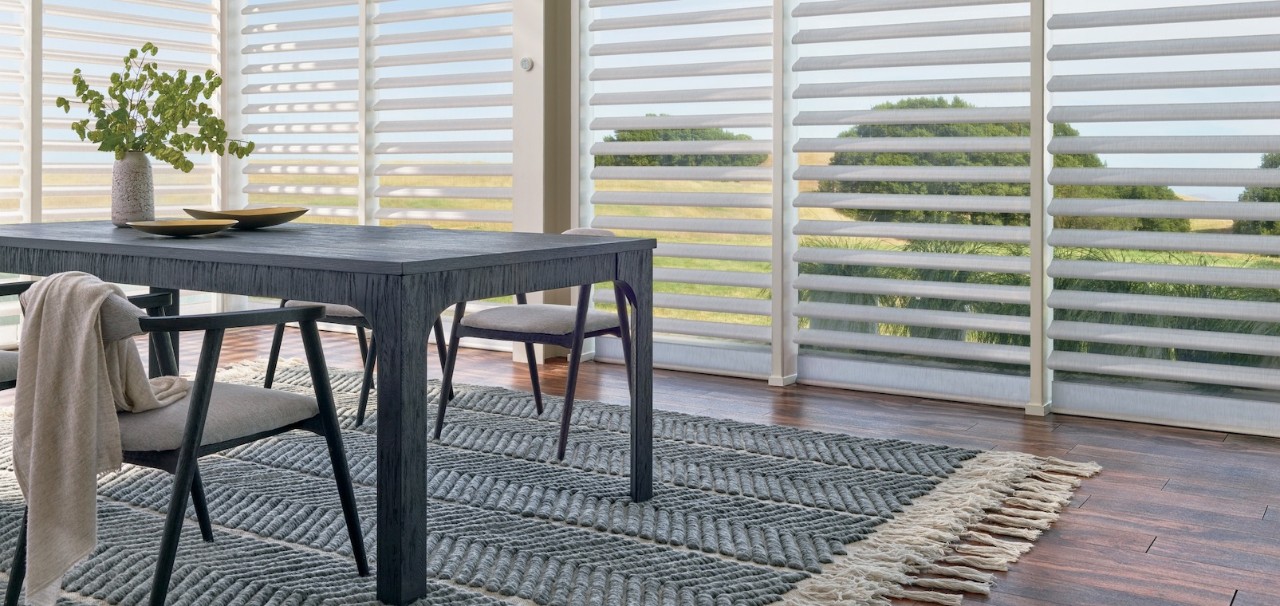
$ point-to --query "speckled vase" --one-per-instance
(132, 195)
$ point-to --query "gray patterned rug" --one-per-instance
(743, 514)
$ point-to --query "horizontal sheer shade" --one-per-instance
(915, 317)
(442, 12)
(644, 72)
(929, 29)
(1241, 110)
(919, 260)
(715, 226)
(680, 199)
(1166, 48)
(914, 231)
(1127, 303)
(947, 86)
(682, 18)
(1165, 370)
(925, 202)
(1174, 14)
(1165, 145)
(979, 56)
(977, 115)
(849, 7)
(913, 346)
(1151, 272)
(701, 43)
(731, 305)
(915, 288)
(915, 144)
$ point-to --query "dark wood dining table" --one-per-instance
(401, 279)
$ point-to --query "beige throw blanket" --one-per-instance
(76, 368)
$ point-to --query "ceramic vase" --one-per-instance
(132, 193)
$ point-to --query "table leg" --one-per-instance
(635, 277)
(400, 319)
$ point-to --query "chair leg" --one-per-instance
(442, 350)
(277, 339)
(533, 376)
(18, 571)
(367, 382)
(201, 506)
(624, 333)
(333, 439)
(575, 360)
(364, 343)
(446, 387)
(185, 471)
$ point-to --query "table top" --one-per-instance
(364, 249)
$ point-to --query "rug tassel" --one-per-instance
(932, 597)
(953, 585)
(1056, 465)
(1030, 514)
(1045, 476)
(972, 561)
(986, 551)
(1036, 504)
(1010, 547)
(960, 572)
(1020, 533)
(1001, 516)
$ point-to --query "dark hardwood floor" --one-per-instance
(1178, 516)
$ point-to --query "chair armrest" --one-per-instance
(232, 319)
(152, 301)
(9, 289)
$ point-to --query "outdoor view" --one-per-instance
(908, 157)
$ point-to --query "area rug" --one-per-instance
(742, 513)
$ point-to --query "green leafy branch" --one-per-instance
(150, 111)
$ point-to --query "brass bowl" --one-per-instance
(252, 218)
(182, 228)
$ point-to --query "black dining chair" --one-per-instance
(559, 325)
(347, 316)
(218, 416)
(9, 359)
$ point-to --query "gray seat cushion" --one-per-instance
(8, 366)
(537, 319)
(330, 309)
(235, 411)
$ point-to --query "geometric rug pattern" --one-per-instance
(742, 513)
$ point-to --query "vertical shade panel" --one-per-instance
(678, 132)
(441, 104)
(913, 193)
(300, 84)
(1166, 162)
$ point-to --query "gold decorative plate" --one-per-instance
(252, 218)
(181, 228)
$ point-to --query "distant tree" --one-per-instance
(1016, 129)
(680, 134)
(1261, 194)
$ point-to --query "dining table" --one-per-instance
(401, 279)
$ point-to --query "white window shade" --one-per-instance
(912, 125)
(300, 85)
(680, 121)
(11, 163)
(1164, 261)
(76, 176)
(11, 118)
(442, 102)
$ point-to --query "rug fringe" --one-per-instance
(980, 519)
